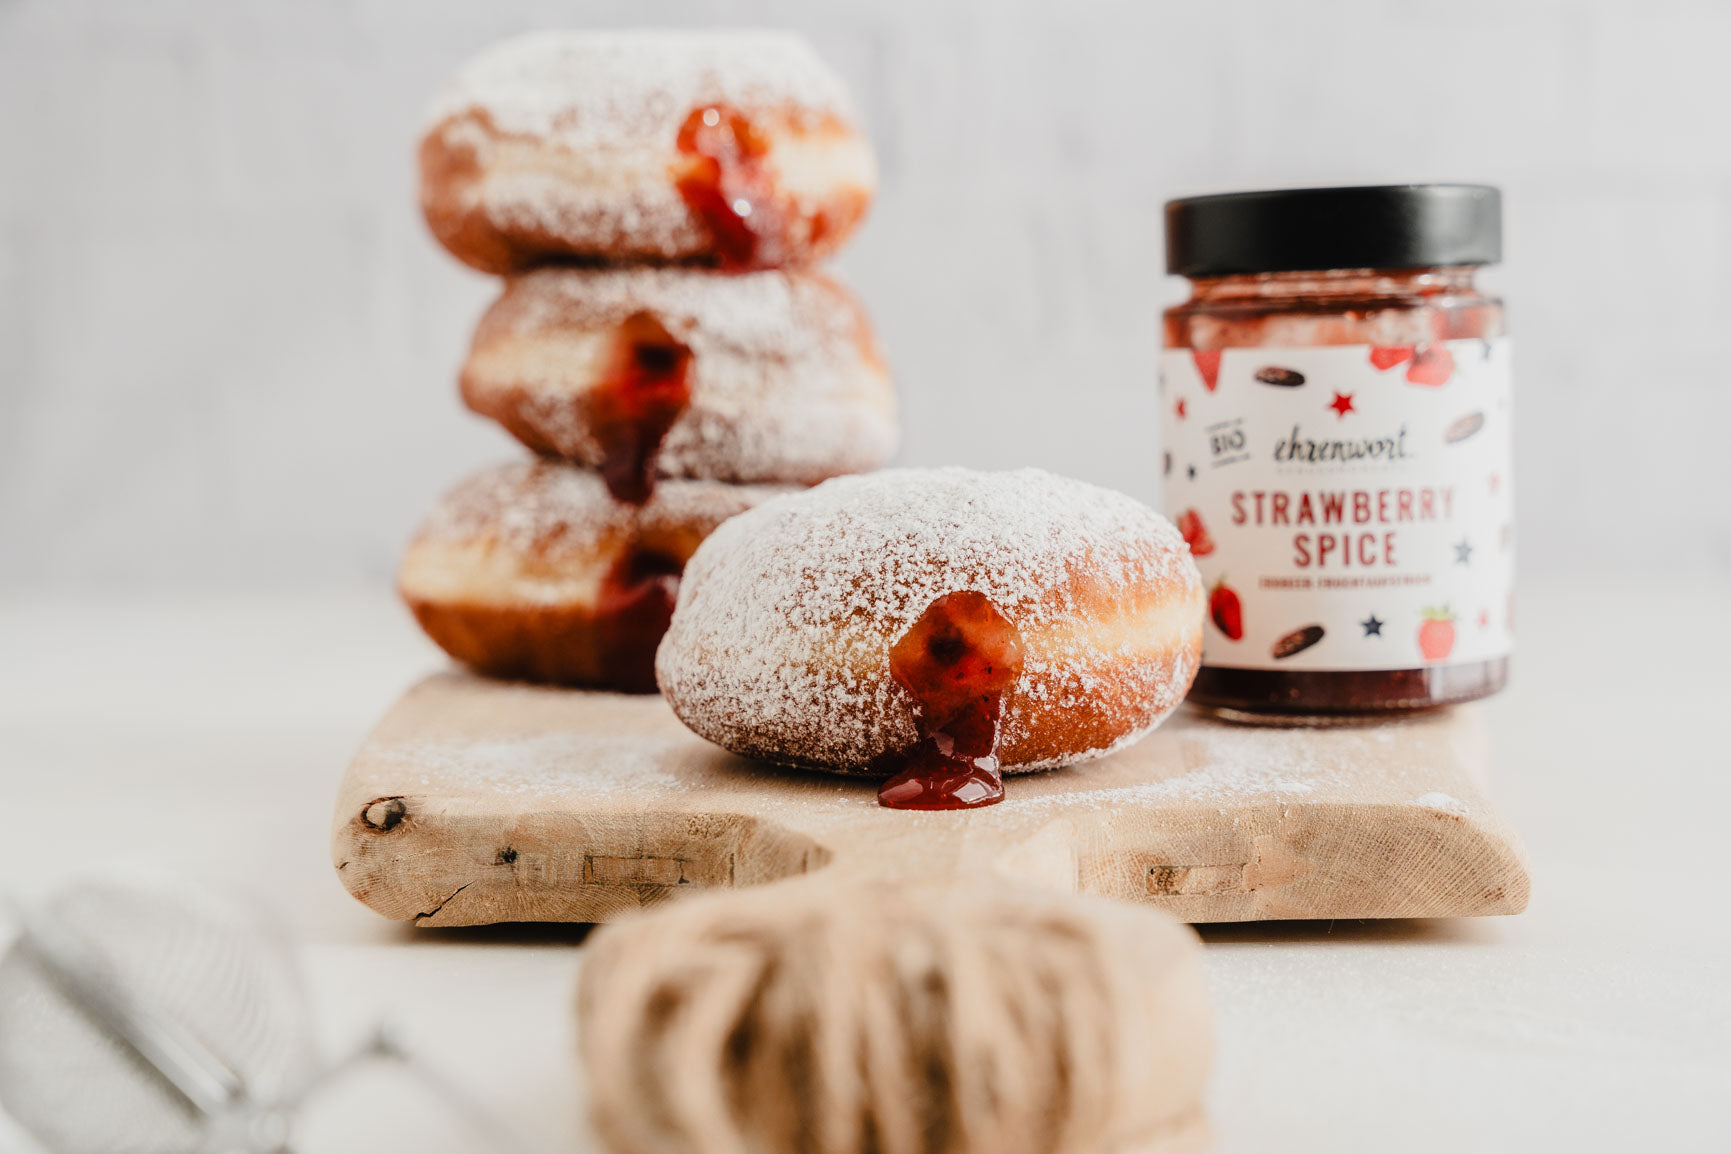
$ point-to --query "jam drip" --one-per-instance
(957, 661)
(633, 611)
(728, 185)
(646, 386)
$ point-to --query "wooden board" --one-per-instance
(477, 802)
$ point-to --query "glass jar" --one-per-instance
(1337, 415)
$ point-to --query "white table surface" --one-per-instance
(206, 735)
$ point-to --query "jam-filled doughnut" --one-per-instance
(935, 625)
(730, 148)
(753, 377)
(532, 571)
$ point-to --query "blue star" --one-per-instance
(1463, 552)
(1372, 626)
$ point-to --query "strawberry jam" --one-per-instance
(728, 185)
(957, 661)
(634, 609)
(646, 387)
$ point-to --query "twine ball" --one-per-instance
(828, 1016)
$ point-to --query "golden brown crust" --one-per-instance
(554, 644)
(507, 575)
(450, 200)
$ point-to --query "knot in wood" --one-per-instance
(385, 814)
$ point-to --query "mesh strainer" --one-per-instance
(138, 1016)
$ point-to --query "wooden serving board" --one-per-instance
(477, 801)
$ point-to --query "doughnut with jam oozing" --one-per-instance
(533, 571)
(642, 372)
(794, 619)
(730, 148)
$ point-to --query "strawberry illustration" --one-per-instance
(1431, 365)
(1195, 534)
(1208, 364)
(1227, 611)
(1386, 357)
(1436, 637)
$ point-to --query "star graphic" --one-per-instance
(1373, 626)
(1342, 404)
(1484, 618)
(1190, 471)
(1182, 408)
(1464, 552)
(1496, 482)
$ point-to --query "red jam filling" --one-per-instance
(728, 185)
(634, 609)
(646, 387)
(957, 661)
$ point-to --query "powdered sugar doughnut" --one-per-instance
(530, 570)
(795, 620)
(754, 377)
(733, 148)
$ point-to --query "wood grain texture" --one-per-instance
(476, 802)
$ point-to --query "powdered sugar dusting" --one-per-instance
(781, 635)
(552, 508)
(587, 90)
(1220, 765)
(562, 143)
(539, 765)
(773, 315)
(1442, 803)
(786, 382)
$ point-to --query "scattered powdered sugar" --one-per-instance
(1218, 765)
(587, 90)
(786, 613)
(786, 381)
(552, 508)
(545, 764)
(1442, 803)
(1216, 785)
(791, 316)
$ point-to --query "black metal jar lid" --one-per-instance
(1385, 226)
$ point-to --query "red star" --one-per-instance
(1181, 408)
(1484, 618)
(1342, 404)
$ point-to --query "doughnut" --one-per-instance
(767, 376)
(532, 571)
(939, 626)
(731, 148)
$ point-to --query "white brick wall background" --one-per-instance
(227, 346)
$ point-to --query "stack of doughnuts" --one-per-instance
(656, 204)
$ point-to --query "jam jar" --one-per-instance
(1337, 416)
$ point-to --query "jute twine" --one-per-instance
(825, 1016)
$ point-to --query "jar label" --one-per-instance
(1350, 506)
